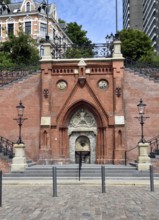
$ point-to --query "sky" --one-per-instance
(97, 17)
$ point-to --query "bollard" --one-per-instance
(151, 179)
(103, 178)
(0, 188)
(54, 175)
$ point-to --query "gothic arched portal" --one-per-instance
(82, 126)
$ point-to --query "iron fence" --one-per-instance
(11, 74)
(6, 147)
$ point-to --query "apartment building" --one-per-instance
(34, 19)
(143, 15)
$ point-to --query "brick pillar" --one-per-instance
(46, 70)
(118, 67)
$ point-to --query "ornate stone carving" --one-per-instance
(103, 84)
(61, 85)
(82, 81)
(82, 118)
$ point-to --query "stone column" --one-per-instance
(47, 51)
(117, 50)
(19, 161)
(143, 158)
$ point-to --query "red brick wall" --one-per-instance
(28, 91)
(5, 165)
(136, 87)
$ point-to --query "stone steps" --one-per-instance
(87, 172)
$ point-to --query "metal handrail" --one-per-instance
(128, 151)
(152, 141)
(11, 74)
(150, 70)
(6, 147)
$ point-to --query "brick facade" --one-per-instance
(82, 79)
(28, 91)
(75, 102)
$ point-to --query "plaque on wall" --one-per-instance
(61, 85)
(103, 84)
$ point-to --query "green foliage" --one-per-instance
(83, 47)
(5, 60)
(21, 49)
(5, 1)
(136, 45)
(61, 21)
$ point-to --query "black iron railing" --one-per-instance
(85, 50)
(150, 70)
(6, 147)
(11, 74)
(153, 148)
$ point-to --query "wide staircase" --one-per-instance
(88, 171)
(73, 171)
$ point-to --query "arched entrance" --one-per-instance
(82, 131)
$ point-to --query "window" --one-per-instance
(41, 51)
(28, 27)
(43, 30)
(28, 6)
(10, 29)
(43, 27)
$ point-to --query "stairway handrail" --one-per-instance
(148, 141)
(11, 74)
(154, 138)
(6, 147)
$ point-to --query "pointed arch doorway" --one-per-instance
(82, 131)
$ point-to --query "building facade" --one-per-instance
(82, 110)
(32, 17)
(143, 15)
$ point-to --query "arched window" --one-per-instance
(28, 6)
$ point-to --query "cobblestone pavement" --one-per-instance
(79, 202)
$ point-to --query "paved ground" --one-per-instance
(79, 202)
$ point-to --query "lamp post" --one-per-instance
(20, 120)
(141, 108)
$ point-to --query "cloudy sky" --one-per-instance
(96, 16)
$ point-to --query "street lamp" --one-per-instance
(20, 120)
(141, 108)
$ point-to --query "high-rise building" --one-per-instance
(143, 15)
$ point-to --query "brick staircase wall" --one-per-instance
(136, 87)
(27, 90)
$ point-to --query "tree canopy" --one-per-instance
(5, 1)
(136, 45)
(21, 49)
(82, 47)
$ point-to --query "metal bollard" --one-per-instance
(0, 188)
(151, 179)
(103, 178)
(54, 175)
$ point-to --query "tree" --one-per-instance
(21, 49)
(136, 45)
(82, 47)
(5, 1)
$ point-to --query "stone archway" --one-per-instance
(82, 124)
